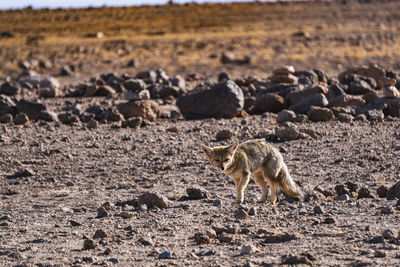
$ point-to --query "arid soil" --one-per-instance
(82, 189)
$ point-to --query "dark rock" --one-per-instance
(165, 255)
(153, 200)
(105, 90)
(388, 234)
(309, 78)
(147, 76)
(343, 117)
(45, 115)
(334, 90)
(225, 238)
(295, 260)
(146, 241)
(195, 193)
(135, 85)
(101, 213)
(394, 191)
(288, 131)
(99, 234)
(20, 119)
(302, 94)
(134, 123)
(386, 210)
(320, 114)
(284, 78)
(322, 77)
(286, 115)
(74, 223)
(31, 109)
(223, 76)
(241, 214)
(319, 210)
(89, 244)
(6, 118)
(170, 91)
(382, 191)
(201, 238)
(375, 115)
(222, 100)
(48, 92)
(364, 193)
(269, 103)
(67, 70)
(372, 70)
(68, 118)
(7, 106)
(92, 124)
(347, 100)
(9, 88)
(329, 220)
(359, 87)
(280, 89)
(281, 238)
(224, 134)
(312, 100)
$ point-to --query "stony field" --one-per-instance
(103, 111)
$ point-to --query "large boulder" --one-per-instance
(146, 109)
(221, 100)
(312, 100)
(269, 102)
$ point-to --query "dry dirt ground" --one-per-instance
(54, 178)
(75, 171)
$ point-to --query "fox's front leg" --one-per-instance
(241, 184)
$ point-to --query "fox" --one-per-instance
(258, 159)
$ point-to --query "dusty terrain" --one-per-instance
(71, 194)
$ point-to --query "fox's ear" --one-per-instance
(207, 150)
(233, 147)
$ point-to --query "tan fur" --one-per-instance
(256, 158)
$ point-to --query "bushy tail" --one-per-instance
(288, 185)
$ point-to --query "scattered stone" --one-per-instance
(288, 131)
(89, 244)
(308, 78)
(329, 220)
(74, 223)
(48, 116)
(394, 191)
(165, 255)
(364, 193)
(6, 118)
(390, 92)
(295, 260)
(31, 109)
(248, 249)
(372, 70)
(153, 200)
(221, 100)
(268, 103)
(99, 234)
(252, 211)
(344, 117)
(126, 215)
(380, 254)
(26, 172)
(225, 238)
(211, 233)
(359, 87)
(344, 197)
(101, 213)
(241, 214)
(286, 115)
(146, 109)
(382, 191)
(280, 238)
(284, 70)
(388, 234)
(68, 118)
(386, 210)
(224, 135)
(7, 106)
(92, 124)
(113, 260)
(284, 78)
(134, 122)
(146, 241)
(320, 114)
(67, 70)
(195, 193)
(319, 210)
(312, 100)
(135, 85)
(20, 119)
(346, 101)
(9, 88)
(139, 95)
(201, 238)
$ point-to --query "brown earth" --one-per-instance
(55, 177)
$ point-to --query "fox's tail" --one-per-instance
(288, 185)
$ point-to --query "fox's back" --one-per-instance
(257, 152)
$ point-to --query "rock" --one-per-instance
(99, 234)
(74, 223)
(20, 119)
(147, 76)
(170, 91)
(89, 244)
(178, 81)
(322, 77)
(388, 234)
(372, 70)
(165, 255)
(380, 254)
(195, 193)
(309, 78)
(284, 70)
(269, 103)
(394, 191)
(302, 94)
(286, 115)
(6, 118)
(386, 210)
(146, 241)
(68, 118)
(101, 213)
(364, 193)
(281, 238)
(152, 200)
(135, 85)
(223, 76)
(7, 106)
(222, 100)
(320, 114)
(126, 215)
(48, 92)
(230, 58)
(247, 249)
(134, 122)
(172, 129)
(386, 81)
(284, 78)
(390, 92)
(225, 238)
(146, 109)
(329, 220)
(319, 210)
(9, 88)
(31, 109)
(40, 81)
(382, 191)
(201, 239)
(253, 211)
(360, 117)
(67, 70)
(289, 131)
(113, 260)
(343, 197)
(92, 124)
(334, 90)
(347, 100)
(224, 135)
(295, 260)
(49, 116)
(105, 90)
(241, 214)
(312, 100)
(359, 87)
(211, 233)
(343, 117)
(375, 115)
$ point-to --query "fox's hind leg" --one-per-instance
(260, 181)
